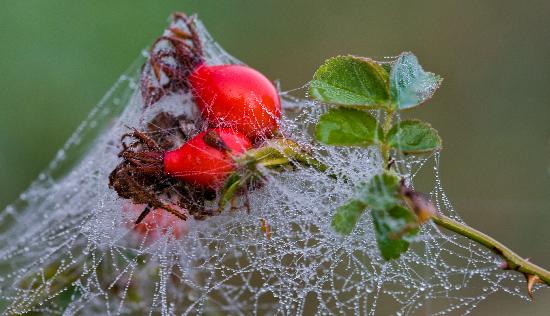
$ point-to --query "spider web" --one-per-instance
(67, 245)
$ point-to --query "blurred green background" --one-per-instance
(58, 58)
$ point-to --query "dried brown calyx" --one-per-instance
(172, 58)
(140, 178)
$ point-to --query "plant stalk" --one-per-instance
(386, 126)
(513, 260)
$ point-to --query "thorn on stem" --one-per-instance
(531, 281)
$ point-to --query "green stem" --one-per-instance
(513, 260)
(275, 162)
(386, 126)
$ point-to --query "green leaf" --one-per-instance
(230, 187)
(394, 228)
(346, 217)
(414, 136)
(387, 65)
(410, 85)
(66, 296)
(350, 80)
(347, 127)
(381, 192)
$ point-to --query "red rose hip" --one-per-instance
(205, 160)
(237, 97)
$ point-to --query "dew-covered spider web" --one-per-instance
(67, 245)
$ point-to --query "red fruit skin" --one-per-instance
(238, 97)
(157, 223)
(198, 163)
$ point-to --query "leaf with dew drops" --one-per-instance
(394, 224)
(394, 228)
(346, 217)
(351, 81)
(414, 137)
(410, 85)
(381, 192)
(348, 127)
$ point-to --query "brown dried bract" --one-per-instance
(172, 58)
(418, 202)
(140, 178)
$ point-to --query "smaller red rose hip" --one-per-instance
(157, 223)
(206, 159)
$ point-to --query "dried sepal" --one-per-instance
(419, 202)
(172, 58)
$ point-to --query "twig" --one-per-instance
(533, 273)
